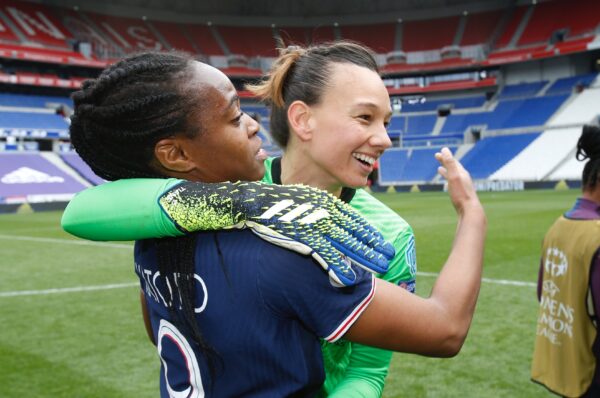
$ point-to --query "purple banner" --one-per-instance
(73, 160)
(31, 174)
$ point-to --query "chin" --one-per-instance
(355, 183)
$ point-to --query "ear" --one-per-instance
(300, 119)
(171, 155)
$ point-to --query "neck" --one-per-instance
(592, 195)
(297, 168)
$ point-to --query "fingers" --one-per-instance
(444, 156)
(460, 186)
(363, 255)
(360, 228)
(340, 272)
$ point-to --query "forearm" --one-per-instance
(457, 287)
(121, 210)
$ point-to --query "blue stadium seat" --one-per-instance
(420, 125)
(408, 165)
(566, 84)
(32, 101)
(489, 154)
(32, 121)
(391, 165)
(522, 89)
(455, 103)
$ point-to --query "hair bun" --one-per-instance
(588, 146)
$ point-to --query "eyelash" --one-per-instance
(238, 119)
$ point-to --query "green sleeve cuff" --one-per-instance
(121, 210)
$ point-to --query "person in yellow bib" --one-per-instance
(567, 347)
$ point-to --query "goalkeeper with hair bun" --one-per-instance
(329, 110)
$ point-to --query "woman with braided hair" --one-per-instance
(567, 345)
(250, 309)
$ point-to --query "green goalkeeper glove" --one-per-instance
(299, 218)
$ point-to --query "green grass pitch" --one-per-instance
(90, 342)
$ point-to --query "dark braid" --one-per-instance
(117, 121)
(588, 147)
(136, 102)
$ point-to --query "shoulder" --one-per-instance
(375, 211)
(403, 267)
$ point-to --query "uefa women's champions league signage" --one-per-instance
(33, 179)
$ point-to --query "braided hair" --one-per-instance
(588, 147)
(117, 121)
(121, 115)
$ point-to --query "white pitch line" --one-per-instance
(124, 285)
(66, 241)
(67, 290)
(124, 246)
(489, 280)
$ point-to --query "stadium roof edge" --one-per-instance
(284, 12)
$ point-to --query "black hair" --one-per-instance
(304, 74)
(118, 119)
(588, 147)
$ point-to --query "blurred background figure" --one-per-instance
(566, 346)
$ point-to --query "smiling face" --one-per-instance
(347, 128)
(227, 148)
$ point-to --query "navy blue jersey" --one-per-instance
(260, 307)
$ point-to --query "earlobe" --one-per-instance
(300, 120)
(171, 155)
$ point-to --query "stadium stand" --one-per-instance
(491, 153)
(575, 17)
(480, 27)
(32, 101)
(318, 34)
(567, 84)
(454, 103)
(204, 40)
(400, 166)
(444, 65)
(19, 120)
(128, 34)
(174, 36)
(522, 89)
(293, 35)
(511, 27)
(541, 157)
(571, 169)
(249, 41)
(429, 34)
(380, 38)
(556, 144)
(420, 125)
(510, 113)
(33, 24)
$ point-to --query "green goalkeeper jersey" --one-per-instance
(354, 370)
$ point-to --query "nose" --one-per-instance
(381, 138)
(253, 125)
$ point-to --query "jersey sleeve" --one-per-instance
(295, 286)
(121, 210)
